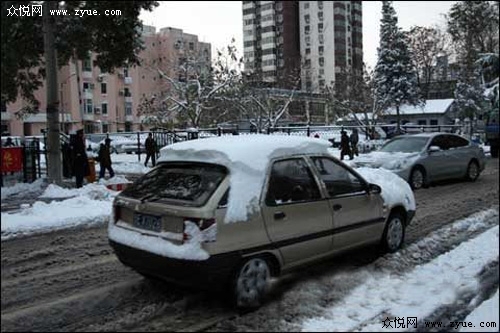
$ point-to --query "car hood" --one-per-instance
(395, 191)
(389, 161)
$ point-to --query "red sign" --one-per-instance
(12, 159)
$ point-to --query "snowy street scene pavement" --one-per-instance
(59, 273)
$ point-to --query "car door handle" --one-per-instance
(337, 207)
(279, 216)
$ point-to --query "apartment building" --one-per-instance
(103, 102)
(331, 41)
(271, 42)
(318, 39)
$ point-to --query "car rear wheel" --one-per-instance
(394, 233)
(418, 178)
(472, 171)
(252, 283)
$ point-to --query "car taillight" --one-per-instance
(201, 223)
(116, 213)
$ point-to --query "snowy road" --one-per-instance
(70, 280)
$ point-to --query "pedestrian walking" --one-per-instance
(104, 158)
(79, 156)
(9, 142)
(354, 138)
(150, 145)
(345, 148)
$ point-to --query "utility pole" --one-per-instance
(54, 162)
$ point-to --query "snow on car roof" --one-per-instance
(246, 157)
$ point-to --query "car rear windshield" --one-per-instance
(405, 144)
(188, 184)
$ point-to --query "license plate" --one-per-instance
(147, 222)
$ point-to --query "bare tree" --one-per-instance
(197, 90)
(426, 45)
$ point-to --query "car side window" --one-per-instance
(440, 141)
(291, 181)
(456, 141)
(338, 180)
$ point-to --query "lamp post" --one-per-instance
(63, 110)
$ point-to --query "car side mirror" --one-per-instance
(374, 188)
(433, 149)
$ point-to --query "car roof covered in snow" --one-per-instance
(252, 150)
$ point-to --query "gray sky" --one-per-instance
(216, 22)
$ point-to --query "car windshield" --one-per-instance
(188, 184)
(405, 144)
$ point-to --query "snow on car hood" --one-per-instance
(246, 157)
(389, 161)
(395, 190)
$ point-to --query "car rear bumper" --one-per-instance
(204, 274)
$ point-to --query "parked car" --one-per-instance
(423, 158)
(234, 211)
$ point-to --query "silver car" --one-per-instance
(423, 158)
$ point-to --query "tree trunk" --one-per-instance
(398, 129)
(53, 141)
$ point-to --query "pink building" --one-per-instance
(102, 102)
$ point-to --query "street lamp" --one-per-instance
(62, 105)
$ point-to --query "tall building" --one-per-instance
(271, 42)
(103, 102)
(318, 39)
(331, 41)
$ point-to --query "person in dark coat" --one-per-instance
(354, 138)
(80, 159)
(345, 148)
(104, 157)
(150, 145)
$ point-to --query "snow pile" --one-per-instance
(486, 312)
(394, 189)
(87, 205)
(36, 186)
(114, 180)
(247, 158)
(415, 294)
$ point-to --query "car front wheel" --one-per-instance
(252, 283)
(394, 233)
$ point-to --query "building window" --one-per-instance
(104, 108)
(125, 72)
(307, 63)
(320, 16)
(307, 29)
(306, 5)
(128, 109)
(321, 49)
(127, 92)
(422, 122)
(308, 85)
(321, 71)
(105, 128)
(308, 40)
(320, 38)
(87, 64)
(320, 4)
(434, 122)
(320, 27)
(308, 51)
(322, 83)
(89, 106)
(89, 128)
(104, 89)
(307, 18)
(191, 46)
(321, 62)
(86, 86)
(128, 127)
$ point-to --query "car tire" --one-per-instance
(394, 233)
(418, 178)
(251, 283)
(472, 171)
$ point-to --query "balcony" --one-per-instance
(128, 80)
(129, 118)
(87, 74)
(128, 99)
(87, 94)
(6, 116)
(88, 117)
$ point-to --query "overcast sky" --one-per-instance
(216, 22)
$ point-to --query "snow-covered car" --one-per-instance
(234, 211)
(423, 158)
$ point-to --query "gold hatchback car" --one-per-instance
(234, 211)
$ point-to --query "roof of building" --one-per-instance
(432, 106)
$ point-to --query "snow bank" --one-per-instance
(486, 312)
(36, 186)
